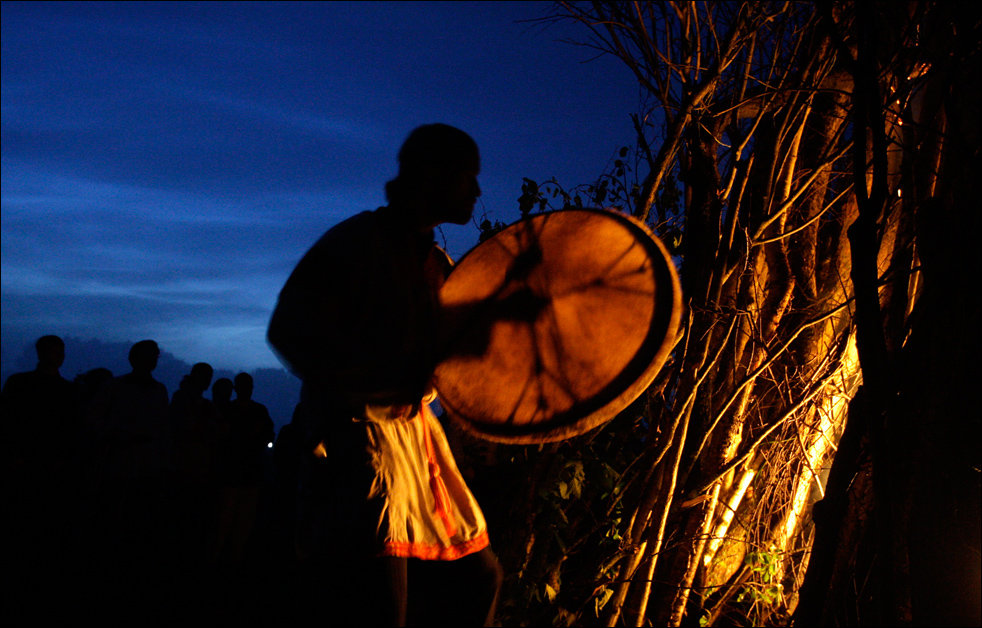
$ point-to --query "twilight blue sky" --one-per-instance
(165, 165)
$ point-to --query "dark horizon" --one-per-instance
(275, 388)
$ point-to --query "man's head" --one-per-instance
(143, 356)
(243, 386)
(221, 390)
(201, 374)
(438, 168)
(51, 352)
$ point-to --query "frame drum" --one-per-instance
(555, 324)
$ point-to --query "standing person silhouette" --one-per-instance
(195, 424)
(41, 428)
(130, 503)
(250, 431)
(221, 398)
(383, 507)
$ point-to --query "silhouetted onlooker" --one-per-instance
(90, 383)
(40, 408)
(195, 426)
(250, 432)
(129, 415)
(41, 425)
(90, 386)
(287, 456)
(221, 396)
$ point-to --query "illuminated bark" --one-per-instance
(805, 233)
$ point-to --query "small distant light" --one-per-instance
(269, 445)
(898, 193)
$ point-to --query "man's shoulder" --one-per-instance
(135, 381)
(20, 377)
(363, 222)
(345, 238)
(35, 378)
(252, 405)
(17, 382)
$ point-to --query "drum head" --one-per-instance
(559, 322)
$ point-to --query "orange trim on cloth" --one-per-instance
(441, 498)
(434, 551)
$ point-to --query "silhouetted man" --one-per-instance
(287, 458)
(221, 395)
(129, 415)
(40, 405)
(133, 409)
(384, 507)
(41, 425)
(195, 425)
(250, 432)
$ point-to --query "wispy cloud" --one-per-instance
(165, 165)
